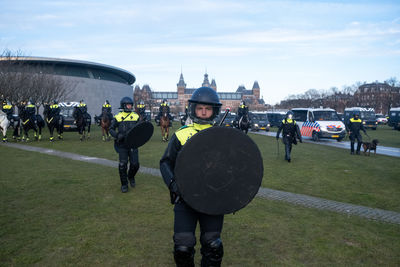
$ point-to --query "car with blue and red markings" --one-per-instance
(319, 123)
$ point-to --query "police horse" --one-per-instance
(244, 123)
(53, 122)
(105, 123)
(4, 124)
(82, 121)
(35, 123)
(164, 123)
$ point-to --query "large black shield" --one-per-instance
(219, 170)
(139, 135)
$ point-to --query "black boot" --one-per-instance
(212, 253)
(124, 188)
(184, 256)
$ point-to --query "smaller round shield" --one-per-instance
(219, 170)
(139, 135)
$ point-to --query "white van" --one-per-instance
(319, 123)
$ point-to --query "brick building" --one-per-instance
(380, 96)
(179, 99)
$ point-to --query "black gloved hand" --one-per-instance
(174, 192)
(120, 137)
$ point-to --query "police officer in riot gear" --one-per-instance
(353, 127)
(290, 131)
(120, 126)
(204, 106)
(8, 109)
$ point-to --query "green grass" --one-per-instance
(61, 212)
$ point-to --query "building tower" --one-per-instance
(181, 92)
(256, 90)
(213, 85)
(205, 82)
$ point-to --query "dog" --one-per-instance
(370, 146)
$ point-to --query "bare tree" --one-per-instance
(21, 81)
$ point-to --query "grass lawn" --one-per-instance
(62, 212)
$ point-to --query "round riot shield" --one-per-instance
(219, 170)
(139, 135)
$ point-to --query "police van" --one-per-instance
(66, 110)
(367, 115)
(275, 117)
(394, 118)
(319, 123)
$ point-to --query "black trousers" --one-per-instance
(127, 155)
(287, 140)
(353, 138)
(185, 223)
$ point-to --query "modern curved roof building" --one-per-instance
(92, 82)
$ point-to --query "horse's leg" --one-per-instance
(166, 139)
(51, 130)
(103, 133)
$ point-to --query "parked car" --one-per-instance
(275, 117)
(394, 118)
(228, 122)
(381, 119)
(259, 121)
(367, 115)
(319, 123)
(66, 110)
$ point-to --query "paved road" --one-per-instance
(297, 199)
(382, 150)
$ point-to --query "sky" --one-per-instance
(289, 47)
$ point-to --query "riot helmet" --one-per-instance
(141, 102)
(356, 114)
(206, 96)
(289, 115)
(55, 102)
(124, 102)
(164, 101)
(107, 102)
(242, 103)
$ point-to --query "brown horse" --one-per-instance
(105, 124)
(164, 124)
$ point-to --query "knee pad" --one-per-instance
(123, 166)
(212, 253)
(184, 256)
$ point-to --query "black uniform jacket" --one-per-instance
(354, 126)
(290, 129)
(178, 140)
(123, 121)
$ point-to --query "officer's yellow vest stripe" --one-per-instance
(7, 107)
(355, 120)
(186, 133)
(126, 116)
(284, 121)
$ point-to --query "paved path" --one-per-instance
(382, 150)
(297, 199)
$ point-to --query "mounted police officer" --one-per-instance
(8, 109)
(82, 106)
(54, 112)
(204, 106)
(242, 111)
(31, 110)
(353, 127)
(164, 104)
(125, 121)
(141, 110)
(290, 131)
